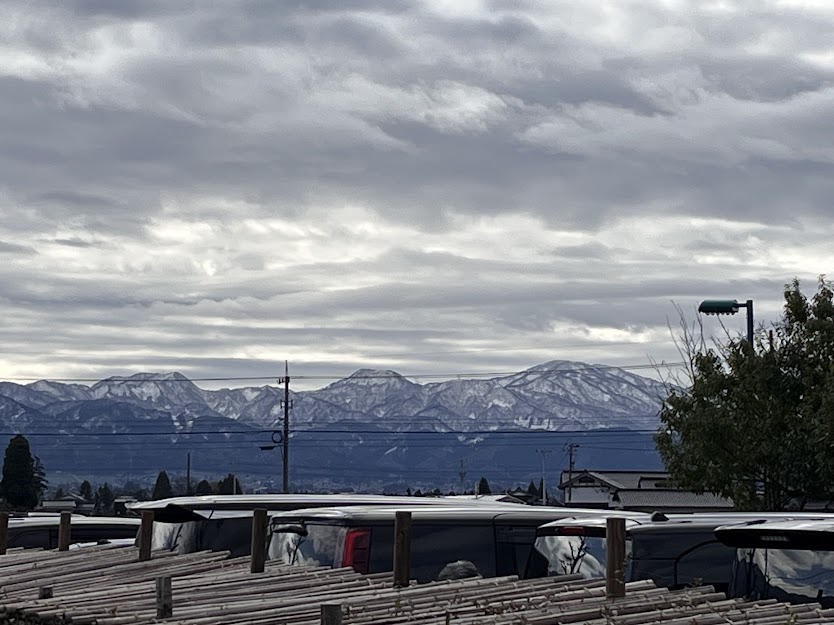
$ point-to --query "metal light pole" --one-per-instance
(544, 477)
(729, 307)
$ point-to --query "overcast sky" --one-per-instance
(436, 187)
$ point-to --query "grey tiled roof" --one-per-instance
(669, 498)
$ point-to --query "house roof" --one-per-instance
(615, 479)
(658, 498)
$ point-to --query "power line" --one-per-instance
(378, 375)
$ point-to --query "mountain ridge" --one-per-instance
(372, 420)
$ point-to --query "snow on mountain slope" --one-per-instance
(554, 396)
(167, 391)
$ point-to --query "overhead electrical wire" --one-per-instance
(376, 375)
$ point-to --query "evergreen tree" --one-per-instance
(204, 488)
(162, 488)
(533, 490)
(19, 485)
(41, 483)
(483, 487)
(229, 485)
(59, 493)
(104, 500)
(85, 491)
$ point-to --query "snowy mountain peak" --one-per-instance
(166, 390)
(373, 378)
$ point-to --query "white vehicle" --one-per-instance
(674, 550)
(224, 522)
(495, 538)
(789, 561)
(42, 531)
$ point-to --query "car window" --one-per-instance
(81, 534)
(708, 564)
(30, 539)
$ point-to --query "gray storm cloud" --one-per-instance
(457, 185)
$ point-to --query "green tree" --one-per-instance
(204, 488)
(85, 491)
(483, 487)
(19, 485)
(756, 423)
(59, 493)
(533, 490)
(162, 488)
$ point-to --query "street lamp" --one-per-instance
(729, 307)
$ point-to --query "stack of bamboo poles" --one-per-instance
(112, 586)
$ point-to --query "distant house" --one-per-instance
(68, 503)
(642, 491)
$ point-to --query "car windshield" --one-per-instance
(562, 555)
(794, 575)
(309, 544)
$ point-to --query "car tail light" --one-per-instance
(357, 550)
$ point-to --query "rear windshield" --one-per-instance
(230, 534)
(563, 555)
(316, 546)
(433, 546)
(792, 575)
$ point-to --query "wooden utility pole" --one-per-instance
(615, 557)
(402, 549)
(188, 475)
(571, 448)
(286, 437)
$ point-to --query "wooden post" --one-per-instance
(45, 592)
(258, 541)
(331, 614)
(64, 531)
(164, 598)
(4, 532)
(615, 557)
(146, 535)
(402, 549)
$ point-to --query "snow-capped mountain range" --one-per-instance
(169, 409)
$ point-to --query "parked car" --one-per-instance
(674, 550)
(224, 522)
(42, 531)
(789, 560)
(495, 538)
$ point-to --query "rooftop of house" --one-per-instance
(616, 479)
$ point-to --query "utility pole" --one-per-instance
(462, 475)
(571, 448)
(188, 475)
(543, 452)
(286, 437)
